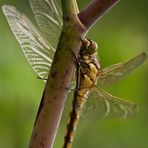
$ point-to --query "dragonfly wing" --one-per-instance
(114, 73)
(49, 18)
(101, 104)
(38, 52)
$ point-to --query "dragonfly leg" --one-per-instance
(76, 59)
(77, 70)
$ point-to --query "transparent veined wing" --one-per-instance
(48, 16)
(101, 104)
(114, 73)
(36, 49)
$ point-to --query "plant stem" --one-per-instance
(56, 89)
(95, 10)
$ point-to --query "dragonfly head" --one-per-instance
(92, 48)
(89, 47)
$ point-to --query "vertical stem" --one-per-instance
(69, 7)
(55, 92)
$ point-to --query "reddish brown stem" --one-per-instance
(62, 68)
(95, 10)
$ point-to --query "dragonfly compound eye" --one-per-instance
(92, 47)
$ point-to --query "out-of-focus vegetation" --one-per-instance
(122, 33)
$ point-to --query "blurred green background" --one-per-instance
(122, 33)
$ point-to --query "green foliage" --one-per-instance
(121, 34)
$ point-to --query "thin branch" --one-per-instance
(95, 10)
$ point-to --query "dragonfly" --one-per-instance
(39, 46)
(89, 98)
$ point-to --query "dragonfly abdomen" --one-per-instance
(77, 106)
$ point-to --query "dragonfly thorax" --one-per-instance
(89, 66)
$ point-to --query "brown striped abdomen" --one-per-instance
(73, 119)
